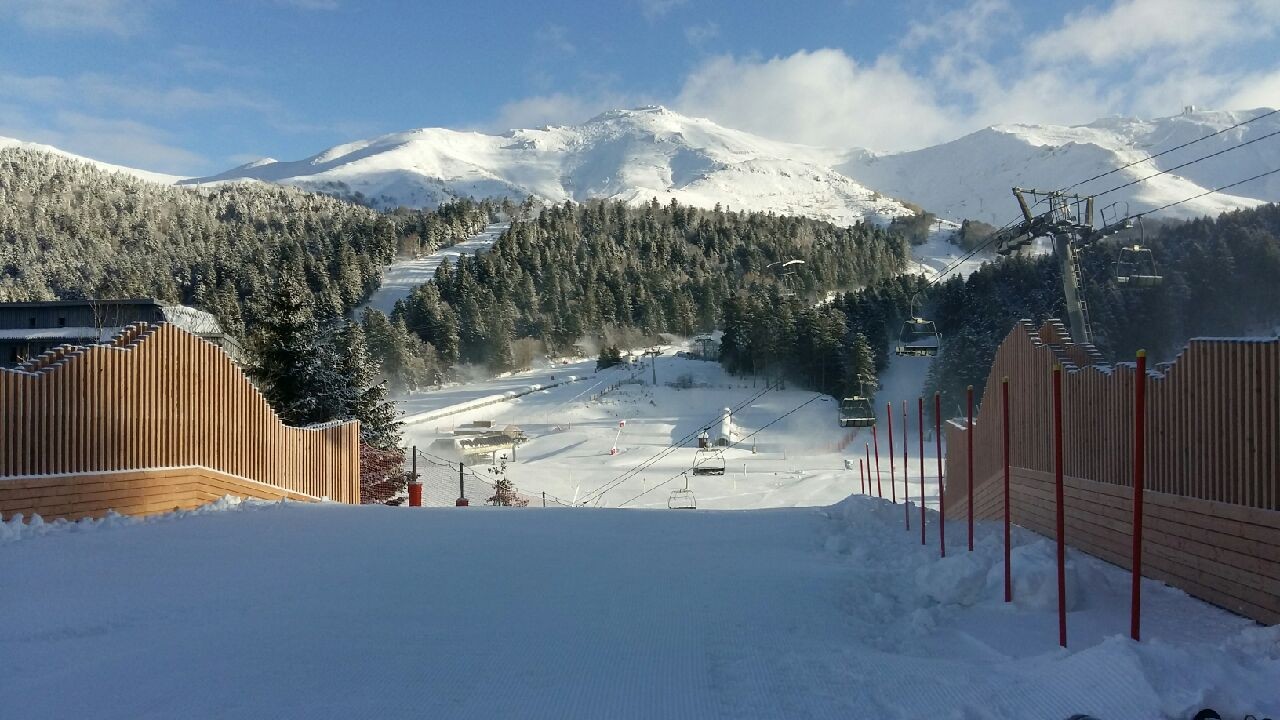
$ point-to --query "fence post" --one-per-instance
(1139, 480)
(544, 498)
(893, 474)
(415, 485)
(968, 436)
(462, 492)
(1058, 500)
(921, 431)
(862, 478)
(875, 440)
(906, 470)
(942, 495)
(1004, 425)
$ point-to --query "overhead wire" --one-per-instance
(668, 450)
(731, 445)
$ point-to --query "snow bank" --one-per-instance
(1193, 655)
(19, 527)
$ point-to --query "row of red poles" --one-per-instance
(1139, 475)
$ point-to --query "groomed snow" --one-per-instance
(328, 611)
(400, 278)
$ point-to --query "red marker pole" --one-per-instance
(1008, 572)
(862, 477)
(923, 540)
(1139, 480)
(1058, 493)
(906, 469)
(893, 473)
(868, 448)
(875, 440)
(968, 436)
(942, 495)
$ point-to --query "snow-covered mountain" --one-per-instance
(630, 155)
(971, 177)
(156, 177)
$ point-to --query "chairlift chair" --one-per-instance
(786, 271)
(857, 411)
(1136, 267)
(683, 498)
(919, 337)
(708, 462)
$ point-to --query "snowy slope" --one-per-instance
(400, 278)
(155, 177)
(331, 611)
(630, 155)
(971, 177)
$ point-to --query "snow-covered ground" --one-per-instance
(329, 611)
(797, 460)
(401, 277)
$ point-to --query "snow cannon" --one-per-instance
(724, 437)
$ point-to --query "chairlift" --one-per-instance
(1136, 265)
(683, 498)
(919, 337)
(857, 411)
(708, 462)
(786, 271)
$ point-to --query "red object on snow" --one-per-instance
(415, 494)
(462, 502)
(613, 451)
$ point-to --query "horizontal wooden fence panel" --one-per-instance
(159, 397)
(130, 492)
(1212, 512)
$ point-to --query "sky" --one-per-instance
(194, 87)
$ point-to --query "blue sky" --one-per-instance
(195, 87)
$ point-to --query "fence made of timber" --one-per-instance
(1212, 459)
(156, 397)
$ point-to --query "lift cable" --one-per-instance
(734, 444)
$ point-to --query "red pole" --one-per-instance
(1058, 501)
(868, 448)
(1008, 572)
(1139, 480)
(893, 474)
(862, 477)
(922, 529)
(942, 495)
(968, 435)
(875, 440)
(906, 469)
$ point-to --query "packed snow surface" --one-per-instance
(400, 278)
(330, 611)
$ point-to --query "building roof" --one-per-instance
(79, 303)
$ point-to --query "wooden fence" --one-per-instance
(1212, 458)
(158, 397)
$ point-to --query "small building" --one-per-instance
(28, 329)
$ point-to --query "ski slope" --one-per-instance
(400, 278)
(328, 611)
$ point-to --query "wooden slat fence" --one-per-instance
(159, 397)
(1212, 458)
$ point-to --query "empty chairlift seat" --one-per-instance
(918, 337)
(1136, 267)
(857, 412)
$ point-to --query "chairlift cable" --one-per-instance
(668, 450)
(733, 444)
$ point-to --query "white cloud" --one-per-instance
(654, 9)
(698, 35)
(821, 97)
(1134, 28)
(117, 17)
(555, 109)
(122, 142)
(555, 37)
